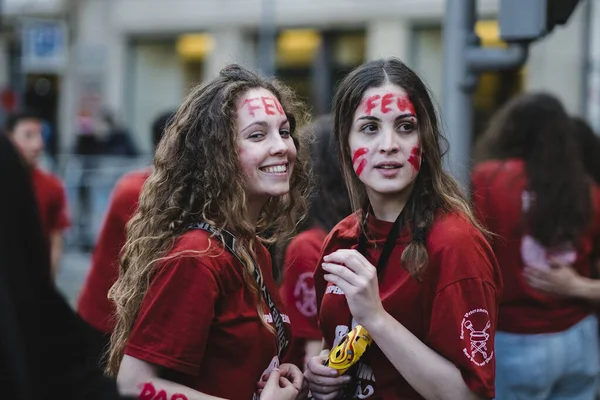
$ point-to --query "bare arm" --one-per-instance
(56, 249)
(430, 374)
(563, 280)
(140, 379)
(312, 348)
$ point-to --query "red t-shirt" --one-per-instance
(498, 188)
(297, 291)
(93, 305)
(51, 201)
(453, 309)
(199, 320)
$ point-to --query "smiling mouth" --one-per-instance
(275, 169)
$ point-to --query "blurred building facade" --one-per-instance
(139, 58)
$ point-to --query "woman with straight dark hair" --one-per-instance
(411, 266)
(531, 190)
(328, 204)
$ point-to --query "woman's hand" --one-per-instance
(357, 277)
(324, 382)
(278, 387)
(560, 279)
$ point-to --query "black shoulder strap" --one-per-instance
(228, 241)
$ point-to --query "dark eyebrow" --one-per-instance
(407, 115)
(262, 124)
(284, 122)
(368, 118)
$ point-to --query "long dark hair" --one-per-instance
(536, 128)
(434, 189)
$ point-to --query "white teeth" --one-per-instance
(275, 169)
(388, 166)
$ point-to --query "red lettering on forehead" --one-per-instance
(370, 103)
(385, 102)
(404, 104)
(267, 103)
(278, 106)
(251, 107)
(415, 158)
(359, 153)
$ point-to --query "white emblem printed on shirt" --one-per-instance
(306, 299)
(364, 373)
(475, 327)
(334, 289)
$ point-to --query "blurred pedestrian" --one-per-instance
(534, 194)
(412, 265)
(93, 304)
(197, 306)
(24, 129)
(328, 205)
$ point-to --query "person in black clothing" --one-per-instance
(42, 341)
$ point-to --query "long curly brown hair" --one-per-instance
(536, 128)
(434, 189)
(197, 176)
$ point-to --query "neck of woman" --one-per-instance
(387, 207)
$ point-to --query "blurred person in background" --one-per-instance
(93, 304)
(41, 338)
(24, 129)
(531, 189)
(116, 140)
(411, 265)
(328, 205)
(198, 311)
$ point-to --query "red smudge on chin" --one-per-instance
(359, 153)
(404, 103)
(360, 167)
(415, 158)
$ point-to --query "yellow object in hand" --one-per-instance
(350, 349)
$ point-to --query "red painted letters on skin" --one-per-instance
(268, 104)
(415, 158)
(371, 103)
(402, 102)
(357, 155)
(149, 393)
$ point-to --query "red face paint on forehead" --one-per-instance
(415, 158)
(385, 103)
(404, 104)
(270, 105)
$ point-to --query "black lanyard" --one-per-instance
(388, 247)
(228, 241)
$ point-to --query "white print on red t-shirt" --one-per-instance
(476, 323)
(304, 293)
(269, 318)
(334, 289)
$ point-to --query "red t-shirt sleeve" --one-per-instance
(298, 289)
(59, 216)
(174, 321)
(93, 304)
(462, 329)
